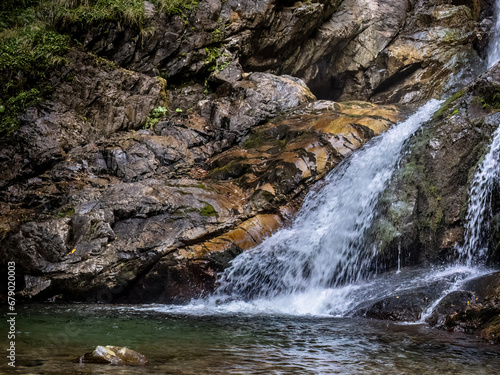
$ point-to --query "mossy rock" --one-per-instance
(232, 170)
(208, 210)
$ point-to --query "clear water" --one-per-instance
(326, 246)
(494, 46)
(50, 337)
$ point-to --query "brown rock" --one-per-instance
(114, 355)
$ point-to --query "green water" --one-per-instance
(50, 337)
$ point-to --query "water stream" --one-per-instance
(281, 308)
(477, 228)
(324, 254)
(494, 45)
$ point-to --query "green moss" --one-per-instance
(446, 105)
(385, 233)
(234, 169)
(217, 35)
(175, 6)
(208, 210)
(86, 13)
(200, 186)
(263, 138)
(28, 55)
(155, 116)
(68, 212)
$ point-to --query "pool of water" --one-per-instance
(50, 337)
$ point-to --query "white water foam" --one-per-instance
(322, 259)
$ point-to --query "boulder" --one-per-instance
(114, 355)
(406, 307)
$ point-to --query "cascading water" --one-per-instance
(320, 264)
(479, 213)
(494, 47)
(326, 245)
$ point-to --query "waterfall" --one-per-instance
(326, 245)
(479, 212)
(494, 46)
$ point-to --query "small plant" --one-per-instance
(155, 116)
(28, 55)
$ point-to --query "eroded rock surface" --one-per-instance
(383, 50)
(154, 214)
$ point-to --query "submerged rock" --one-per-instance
(114, 355)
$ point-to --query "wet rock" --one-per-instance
(91, 203)
(143, 209)
(449, 306)
(406, 307)
(114, 355)
(426, 204)
(474, 309)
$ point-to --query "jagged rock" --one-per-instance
(91, 203)
(384, 50)
(126, 204)
(449, 306)
(92, 98)
(114, 355)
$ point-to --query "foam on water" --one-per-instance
(303, 268)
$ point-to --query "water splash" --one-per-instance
(494, 47)
(326, 245)
(479, 214)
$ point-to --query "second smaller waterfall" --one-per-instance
(479, 214)
(494, 47)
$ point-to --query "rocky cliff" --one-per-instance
(172, 139)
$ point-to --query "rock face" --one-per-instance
(114, 355)
(383, 50)
(423, 211)
(154, 214)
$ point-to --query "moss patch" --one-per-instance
(208, 210)
(68, 212)
(155, 116)
(27, 57)
(234, 169)
(446, 105)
